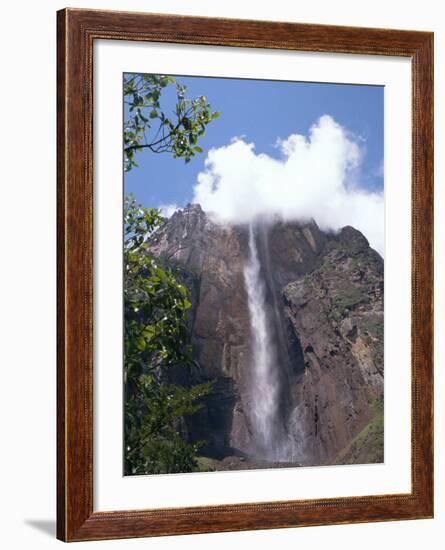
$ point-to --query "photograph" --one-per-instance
(253, 274)
(245, 230)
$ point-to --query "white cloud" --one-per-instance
(316, 178)
(167, 210)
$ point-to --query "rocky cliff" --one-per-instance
(323, 296)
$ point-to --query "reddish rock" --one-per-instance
(325, 294)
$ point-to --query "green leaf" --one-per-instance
(140, 343)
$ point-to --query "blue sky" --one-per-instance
(262, 111)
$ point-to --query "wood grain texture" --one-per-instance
(77, 30)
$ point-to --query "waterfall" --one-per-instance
(269, 433)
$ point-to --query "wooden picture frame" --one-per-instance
(77, 31)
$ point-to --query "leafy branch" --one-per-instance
(148, 127)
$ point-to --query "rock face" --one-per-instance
(324, 299)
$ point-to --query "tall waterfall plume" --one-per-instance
(269, 433)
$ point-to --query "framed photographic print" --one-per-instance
(245, 228)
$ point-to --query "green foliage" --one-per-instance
(155, 341)
(373, 326)
(148, 127)
(155, 304)
(347, 297)
(367, 447)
